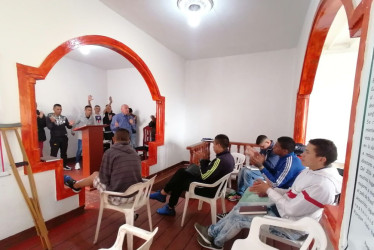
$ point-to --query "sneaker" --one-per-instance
(77, 166)
(207, 245)
(234, 197)
(68, 181)
(203, 232)
(67, 168)
(166, 210)
(221, 216)
(158, 196)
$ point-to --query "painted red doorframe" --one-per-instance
(27, 77)
(358, 20)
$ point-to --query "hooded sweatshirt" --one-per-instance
(310, 192)
(120, 167)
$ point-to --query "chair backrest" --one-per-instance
(315, 232)
(143, 190)
(239, 160)
(146, 135)
(221, 183)
(138, 232)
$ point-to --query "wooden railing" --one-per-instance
(203, 149)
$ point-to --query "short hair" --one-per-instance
(130, 110)
(222, 140)
(325, 148)
(287, 143)
(57, 105)
(122, 135)
(97, 106)
(87, 106)
(260, 139)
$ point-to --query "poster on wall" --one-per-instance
(361, 224)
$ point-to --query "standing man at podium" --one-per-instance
(83, 120)
(123, 120)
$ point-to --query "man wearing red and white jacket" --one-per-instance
(312, 190)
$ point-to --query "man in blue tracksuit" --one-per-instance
(247, 176)
(288, 167)
(209, 172)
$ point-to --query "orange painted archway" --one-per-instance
(28, 75)
(358, 19)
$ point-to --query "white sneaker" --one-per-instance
(77, 166)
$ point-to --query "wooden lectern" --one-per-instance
(92, 147)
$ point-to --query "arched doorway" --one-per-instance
(28, 75)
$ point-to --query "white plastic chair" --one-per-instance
(141, 233)
(308, 225)
(220, 193)
(239, 161)
(137, 201)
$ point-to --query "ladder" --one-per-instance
(32, 202)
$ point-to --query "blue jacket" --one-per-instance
(271, 159)
(287, 169)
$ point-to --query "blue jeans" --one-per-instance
(79, 151)
(233, 223)
(246, 177)
(133, 140)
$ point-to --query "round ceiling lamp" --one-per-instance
(195, 9)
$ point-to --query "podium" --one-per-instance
(92, 147)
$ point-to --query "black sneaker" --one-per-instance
(221, 216)
(203, 232)
(207, 245)
(67, 168)
(68, 181)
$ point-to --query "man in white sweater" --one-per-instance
(312, 190)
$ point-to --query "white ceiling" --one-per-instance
(232, 27)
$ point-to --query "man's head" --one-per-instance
(319, 153)
(97, 109)
(57, 109)
(284, 146)
(108, 108)
(263, 141)
(125, 109)
(221, 143)
(121, 135)
(88, 110)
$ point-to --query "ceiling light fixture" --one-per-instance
(85, 50)
(194, 10)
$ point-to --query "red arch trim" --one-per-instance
(27, 77)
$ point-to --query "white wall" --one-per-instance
(126, 86)
(331, 99)
(241, 96)
(33, 29)
(69, 83)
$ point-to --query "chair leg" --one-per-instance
(229, 182)
(223, 204)
(149, 216)
(200, 205)
(99, 220)
(213, 211)
(185, 208)
(129, 215)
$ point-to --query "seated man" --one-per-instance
(312, 190)
(209, 172)
(246, 176)
(120, 168)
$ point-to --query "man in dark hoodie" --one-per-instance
(209, 172)
(120, 168)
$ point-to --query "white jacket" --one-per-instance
(308, 194)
